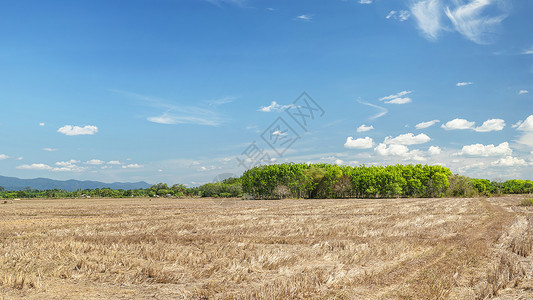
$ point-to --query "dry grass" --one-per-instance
(288, 249)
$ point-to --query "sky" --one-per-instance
(182, 91)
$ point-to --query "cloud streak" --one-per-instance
(204, 114)
(382, 110)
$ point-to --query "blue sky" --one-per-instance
(180, 91)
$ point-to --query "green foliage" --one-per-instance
(230, 187)
(515, 186)
(332, 181)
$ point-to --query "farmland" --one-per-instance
(458, 248)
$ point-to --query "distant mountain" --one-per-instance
(16, 184)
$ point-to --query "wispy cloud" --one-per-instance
(427, 124)
(427, 14)
(274, 106)
(469, 21)
(203, 114)
(50, 149)
(528, 51)
(397, 98)
(306, 18)
(94, 162)
(3, 156)
(132, 166)
(365, 1)
(401, 15)
(463, 83)
(233, 2)
(382, 110)
(523, 92)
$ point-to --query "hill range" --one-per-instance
(17, 184)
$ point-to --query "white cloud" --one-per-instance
(397, 98)
(365, 1)
(528, 51)
(427, 14)
(458, 124)
(34, 167)
(41, 124)
(427, 124)
(172, 119)
(526, 139)
(408, 139)
(463, 83)
(339, 162)
(280, 133)
(487, 126)
(234, 2)
(114, 162)
(394, 96)
(274, 106)
(468, 20)
(132, 166)
(486, 150)
(94, 162)
(523, 92)
(526, 125)
(491, 125)
(68, 166)
(3, 156)
(77, 130)
(392, 150)
(69, 163)
(434, 150)
(49, 149)
(364, 128)
(306, 18)
(361, 143)
(509, 161)
(401, 15)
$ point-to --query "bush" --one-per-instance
(460, 186)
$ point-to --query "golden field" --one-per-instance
(447, 248)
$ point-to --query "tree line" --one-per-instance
(312, 181)
(332, 181)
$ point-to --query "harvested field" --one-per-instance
(448, 248)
